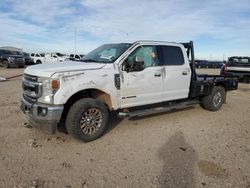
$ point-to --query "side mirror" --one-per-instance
(136, 65)
(139, 62)
(139, 59)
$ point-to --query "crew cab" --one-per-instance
(133, 79)
(237, 66)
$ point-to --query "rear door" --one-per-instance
(176, 72)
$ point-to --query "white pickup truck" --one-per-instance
(37, 58)
(47, 58)
(134, 79)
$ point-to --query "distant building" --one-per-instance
(11, 48)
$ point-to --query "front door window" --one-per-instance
(147, 54)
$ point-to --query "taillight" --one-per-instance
(223, 69)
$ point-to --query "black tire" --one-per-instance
(38, 62)
(214, 101)
(6, 64)
(87, 119)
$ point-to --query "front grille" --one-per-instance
(30, 77)
(32, 89)
(18, 59)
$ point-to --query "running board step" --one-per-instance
(150, 111)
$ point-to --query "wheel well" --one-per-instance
(90, 93)
(222, 85)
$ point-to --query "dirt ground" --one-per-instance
(185, 148)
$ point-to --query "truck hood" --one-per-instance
(47, 70)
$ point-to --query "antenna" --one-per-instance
(75, 40)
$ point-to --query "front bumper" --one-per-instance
(42, 116)
(16, 63)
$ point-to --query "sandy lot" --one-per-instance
(186, 148)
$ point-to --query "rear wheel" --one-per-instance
(87, 119)
(214, 101)
(38, 62)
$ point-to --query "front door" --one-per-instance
(141, 86)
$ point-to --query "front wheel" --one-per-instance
(87, 119)
(6, 64)
(38, 62)
(214, 101)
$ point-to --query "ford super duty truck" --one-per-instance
(133, 79)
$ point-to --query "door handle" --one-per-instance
(158, 74)
(184, 73)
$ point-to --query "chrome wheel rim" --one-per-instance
(91, 121)
(217, 99)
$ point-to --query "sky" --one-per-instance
(219, 28)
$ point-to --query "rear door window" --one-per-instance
(171, 55)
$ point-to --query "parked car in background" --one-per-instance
(54, 57)
(37, 58)
(215, 64)
(201, 64)
(208, 64)
(11, 59)
(27, 58)
(47, 57)
(237, 66)
(75, 57)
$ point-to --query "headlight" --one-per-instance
(49, 88)
(11, 58)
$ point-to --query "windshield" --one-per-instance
(16, 53)
(5, 52)
(106, 53)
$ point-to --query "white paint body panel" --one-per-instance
(139, 88)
